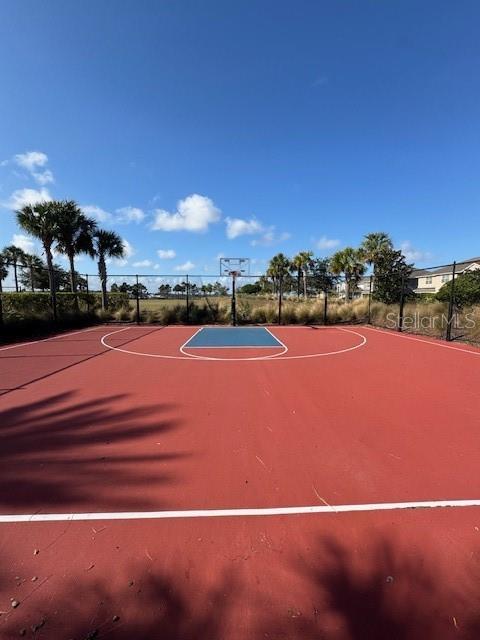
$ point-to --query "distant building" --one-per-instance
(420, 281)
(432, 280)
(362, 289)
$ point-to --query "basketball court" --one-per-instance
(239, 482)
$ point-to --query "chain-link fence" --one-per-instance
(437, 302)
(440, 302)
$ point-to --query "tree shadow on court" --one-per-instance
(143, 605)
(378, 594)
(62, 451)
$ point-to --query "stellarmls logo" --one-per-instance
(418, 321)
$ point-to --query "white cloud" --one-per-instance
(129, 251)
(96, 212)
(194, 213)
(143, 263)
(270, 237)
(24, 242)
(412, 254)
(166, 254)
(22, 197)
(186, 266)
(129, 214)
(32, 161)
(238, 227)
(327, 243)
(156, 266)
(45, 177)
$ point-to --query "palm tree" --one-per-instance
(106, 244)
(278, 269)
(74, 235)
(40, 221)
(304, 260)
(348, 261)
(3, 270)
(3, 275)
(296, 264)
(14, 255)
(32, 263)
(374, 245)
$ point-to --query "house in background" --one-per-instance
(362, 290)
(421, 280)
(432, 280)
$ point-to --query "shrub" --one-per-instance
(289, 313)
(304, 314)
(35, 327)
(244, 311)
(466, 291)
(124, 315)
(259, 316)
(271, 313)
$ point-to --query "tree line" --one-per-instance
(61, 227)
(167, 290)
(389, 277)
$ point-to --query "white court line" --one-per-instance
(237, 513)
(60, 335)
(277, 339)
(242, 346)
(271, 357)
(276, 356)
(270, 346)
(424, 340)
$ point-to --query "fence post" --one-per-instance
(138, 301)
(402, 304)
(280, 298)
(88, 294)
(188, 298)
(451, 305)
(1, 303)
(234, 301)
(325, 307)
(369, 319)
(53, 297)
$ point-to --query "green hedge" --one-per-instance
(25, 305)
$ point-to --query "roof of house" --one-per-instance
(446, 268)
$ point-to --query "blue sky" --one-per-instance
(246, 128)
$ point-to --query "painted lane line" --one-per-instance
(238, 513)
(251, 359)
(138, 353)
(423, 340)
(191, 338)
(277, 338)
(249, 346)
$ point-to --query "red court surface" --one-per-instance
(128, 462)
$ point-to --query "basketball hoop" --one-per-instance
(235, 268)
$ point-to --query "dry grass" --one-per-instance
(423, 318)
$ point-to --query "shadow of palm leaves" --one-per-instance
(57, 451)
(383, 593)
